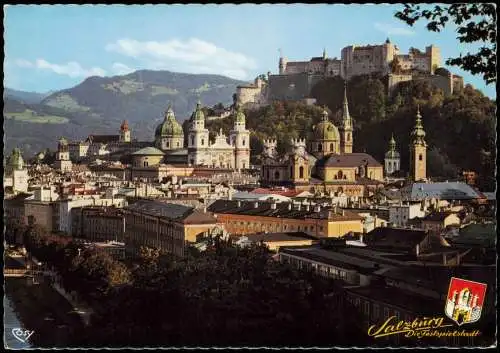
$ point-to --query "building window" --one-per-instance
(375, 311)
(331, 147)
(268, 174)
(202, 142)
(339, 174)
(291, 172)
(177, 144)
(276, 175)
(419, 157)
(367, 308)
(192, 140)
(348, 136)
(243, 142)
(301, 172)
(320, 147)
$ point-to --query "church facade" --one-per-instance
(325, 165)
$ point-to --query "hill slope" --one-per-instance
(100, 104)
(25, 97)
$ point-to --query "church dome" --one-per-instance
(169, 126)
(326, 130)
(198, 113)
(240, 116)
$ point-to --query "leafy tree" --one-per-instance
(476, 24)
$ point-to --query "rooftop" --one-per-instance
(175, 212)
(148, 151)
(441, 190)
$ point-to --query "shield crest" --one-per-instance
(465, 300)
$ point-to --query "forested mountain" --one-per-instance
(461, 128)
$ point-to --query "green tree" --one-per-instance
(476, 23)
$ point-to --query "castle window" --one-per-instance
(419, 157)
(276, 175)
(331, 147)
(320, 147)
(301, 172)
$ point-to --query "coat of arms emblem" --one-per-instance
(465, 300)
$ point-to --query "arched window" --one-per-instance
(243, 142)
(320, 147)
(301, 172)
(339, 174)
(331, 147)
(276, 175)
(202, 142)
(419, 157)
(168, 144)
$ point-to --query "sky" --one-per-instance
(53, 47)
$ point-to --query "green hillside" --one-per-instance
(99, 104)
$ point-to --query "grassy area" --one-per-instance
(156, 90)
(124, 86)
(66, 102)
(32, 117)
(40, 308)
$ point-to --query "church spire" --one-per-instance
(418, 133)
(346, 118)
(392, 143)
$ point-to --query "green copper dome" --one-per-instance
(326, 130)
(169, 126)
(198, 113)
(240, 116)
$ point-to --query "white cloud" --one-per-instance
(24, 63)
(71, 69)
(393, 30)
(193, 55)
(121, 69)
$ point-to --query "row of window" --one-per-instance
(321, 269)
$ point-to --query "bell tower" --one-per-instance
(418, 151)
(346, 138)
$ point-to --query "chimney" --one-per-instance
(290, 206)
(256, 204)
(307, 208)
(273, 205)
(317, 208)
(238, 203)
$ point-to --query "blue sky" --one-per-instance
(55, 47)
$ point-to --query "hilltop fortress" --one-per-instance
(296, 78)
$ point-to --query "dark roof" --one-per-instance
(398, 238)
(281, 211)
(437, 216)
(348, 160)
(103, 138)
(405, 300)
(161, 209)
(443, 191)
(199, 217)
(340, 259)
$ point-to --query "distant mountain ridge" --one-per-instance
(98, 105)
(24, 96)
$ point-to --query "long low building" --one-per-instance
(164, 226)
(242, 218)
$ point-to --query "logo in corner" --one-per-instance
(465, 301)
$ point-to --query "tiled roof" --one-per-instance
(349, 160)
(397, 238)
(103, 138)
(148, 151)
(281, 211)
(443, 191)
